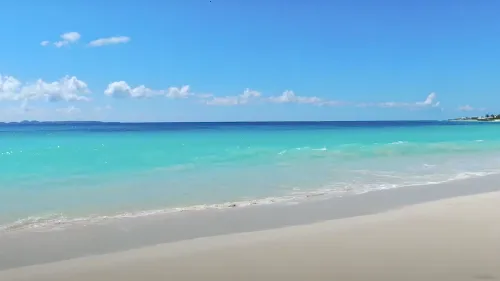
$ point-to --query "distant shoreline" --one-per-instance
(485, 118)
(474, 120)
(69, 122)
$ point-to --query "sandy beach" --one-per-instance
(451, 239)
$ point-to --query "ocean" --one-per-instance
(53, 174)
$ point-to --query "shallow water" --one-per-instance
(56, 173)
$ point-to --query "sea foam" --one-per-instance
(55, 222)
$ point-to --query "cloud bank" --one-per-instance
(65, 89)
(121, 89)
(71, 89)
(73, 37)
(66, 39)
(430, 101)
(109, 41)
(244, 98)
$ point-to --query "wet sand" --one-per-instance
(450, 239)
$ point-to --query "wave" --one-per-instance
(397, 148)
(399, 142)
(59, 221)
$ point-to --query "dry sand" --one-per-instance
(452, 239)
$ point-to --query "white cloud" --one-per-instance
(69, 110)
(59, 44)
(290, 97)
(66, 89)
(71, 36)
(250, 95)
(247, 96)
(430, 101)
(178, 93)
(8, 85)
(121, 89)
(228, 100)
(67, 38)
(109, 41)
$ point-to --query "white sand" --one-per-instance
(453, 239)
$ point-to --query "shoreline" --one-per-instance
(35, 223)
(473, 120)
(448, 239)
(30, 248)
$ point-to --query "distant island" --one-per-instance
(35, 122)
(485, 118)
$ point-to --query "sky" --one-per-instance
(259, 60)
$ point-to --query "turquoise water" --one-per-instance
(59, 173)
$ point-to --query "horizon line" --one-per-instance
(240, 121)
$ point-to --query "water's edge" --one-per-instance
(29, 248)
(59, 221)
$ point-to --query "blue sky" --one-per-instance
(202, 60)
